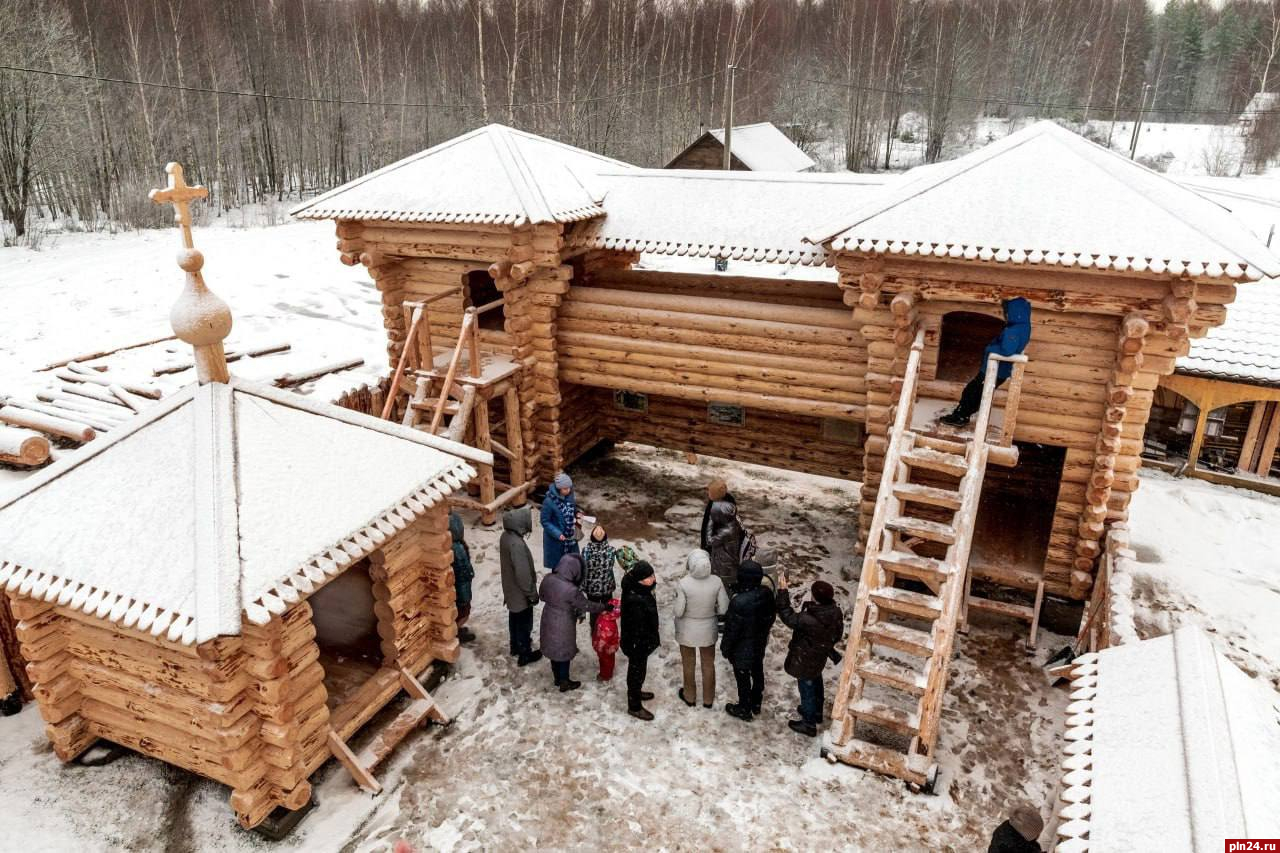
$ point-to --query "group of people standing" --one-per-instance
(731, 591)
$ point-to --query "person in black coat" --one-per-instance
(717, 490)
(815, 631)
(746, 633)
(639, 633)
(1018, 834)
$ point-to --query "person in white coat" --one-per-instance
(700, 598)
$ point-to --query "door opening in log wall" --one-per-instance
(964, 335)
(1016, 512)
(346, 632)
(480, 291)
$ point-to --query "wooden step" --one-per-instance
(945, 498)
(904, 602)
(900, 637)
(933, 531)
(386, 740)
(1002, 608)
(1006, 575)
(946, 445)
(904, 722)
(936, 460)
(923, 569)
(881, 759)
(890, 673)
(450, 407)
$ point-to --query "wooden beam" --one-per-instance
(1267, 457)
(1246, 461)
(343, 753)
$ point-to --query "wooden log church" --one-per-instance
(851, 313)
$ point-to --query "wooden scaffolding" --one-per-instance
(450, 393)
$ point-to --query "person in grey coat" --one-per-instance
(563, 602)
(700, 598)
(519, 583)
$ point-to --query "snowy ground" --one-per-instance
(525, 765)
(1207, 557)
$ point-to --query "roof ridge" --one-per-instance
(931, 179)
(533, 137)
(217, 568)
(390, 167)
(527, 189)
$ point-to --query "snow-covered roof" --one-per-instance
(494, 174)
(217, 500)
(757, 216)
(1246, 348)
(1168, 745)
(763, 148)
(1045, 195)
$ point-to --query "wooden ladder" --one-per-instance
(901, 639)
(422, 708)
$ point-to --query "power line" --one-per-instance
(347, 102)
(1008, 102)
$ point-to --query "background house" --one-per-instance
(758, 147)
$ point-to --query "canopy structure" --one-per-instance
(220, 499)
(752, 216)
(1246, 348)
(1168, 740)
(1045, 195)
(494, 174)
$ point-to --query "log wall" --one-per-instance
(782, 346)
(248, 711)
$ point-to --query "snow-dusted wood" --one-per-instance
(63, 427)
(22, 446)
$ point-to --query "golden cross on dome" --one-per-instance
(180, 195)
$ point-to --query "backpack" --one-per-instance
(748, 545)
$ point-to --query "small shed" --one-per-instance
(237, 580)
(1168, 746)
(760, 147)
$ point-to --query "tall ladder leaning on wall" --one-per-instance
(908, 665)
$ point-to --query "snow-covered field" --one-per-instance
(523, 765)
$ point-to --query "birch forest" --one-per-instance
(274, 99)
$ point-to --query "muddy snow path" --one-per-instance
(525, 765)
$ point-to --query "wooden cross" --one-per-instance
(180, 195)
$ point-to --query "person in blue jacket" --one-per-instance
(559, 521)
(1012, 340)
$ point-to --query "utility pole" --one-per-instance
(728, 118)
(1137, 124)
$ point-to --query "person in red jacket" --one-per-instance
(604, 639)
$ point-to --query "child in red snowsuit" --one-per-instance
(604, 639)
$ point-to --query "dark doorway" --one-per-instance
(1015, 516)
(481, 290)
(964, 335)
(346, 632)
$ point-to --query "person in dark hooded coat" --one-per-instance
(519, 583)
(815, 631)
(725, 543)
(1018, 834)
(746, 635)
(1012, 340)
(562, 603)
(717, 490)
(639, 624)
(463, 574)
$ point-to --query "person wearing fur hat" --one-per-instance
(700, 599)
(746, 634)
(559, 521)
(1020, 833)
(639, 624)
(815, 631)
(717, 490)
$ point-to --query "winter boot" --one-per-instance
(640, 713)
(11, 704)
(566, 686)
(740, 711)
(686, 701)
(645, 695)
(801, 727)
(531, 657)
(465, 635)
(954, 419)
